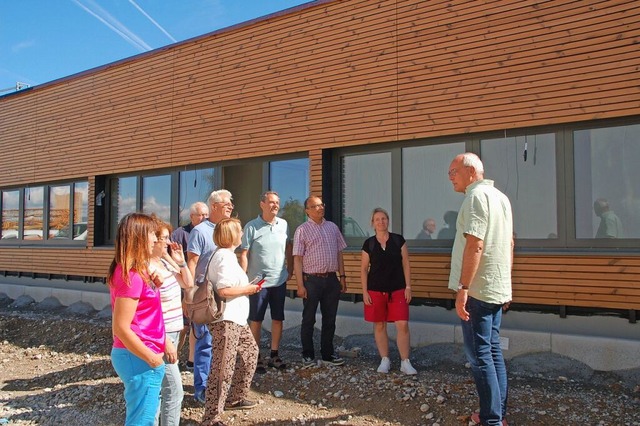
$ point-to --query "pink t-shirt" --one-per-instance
(147, 322)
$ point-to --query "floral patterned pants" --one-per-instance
(235, 356)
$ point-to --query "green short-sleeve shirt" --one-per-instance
(486, 214)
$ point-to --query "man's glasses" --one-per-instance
(317, 206)
(454, 172)
(227, 205)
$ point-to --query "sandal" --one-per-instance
(260, 369)
(277, 363)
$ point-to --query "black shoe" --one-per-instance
(308, 362)
(245, 404)
(333, 360)
(189, 365)
(260, 368)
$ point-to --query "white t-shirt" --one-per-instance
(225, 272)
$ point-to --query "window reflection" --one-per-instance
(156, 196)
(429, 204)
(10, 214)
(530, 185)
(123, 200)
(290, 179)
(195, 185)
(33, 213)
(607, 190)
(366, 184)
(80, 210)
(59, 203)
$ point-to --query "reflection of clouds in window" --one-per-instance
(125, 206)
(33, 196)
(152, 205)
(10, 199)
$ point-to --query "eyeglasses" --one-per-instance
(317, 206)
(454, 172)
(163, 238)
(227, 205)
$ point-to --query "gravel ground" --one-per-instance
(55, 369)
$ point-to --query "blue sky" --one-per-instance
(43, 40)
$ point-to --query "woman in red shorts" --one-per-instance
(386, 289)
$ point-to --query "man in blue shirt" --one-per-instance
(266, 250)
(199, 250)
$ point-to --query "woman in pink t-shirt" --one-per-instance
(138, 325)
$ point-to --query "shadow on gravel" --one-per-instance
(54, 407)
(91, 371)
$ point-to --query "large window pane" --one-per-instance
(195, 185)
(123, 200)
(366, 185)
(290, 179)
(530, 184)
(80, 210)
(33, 213)
(427, 195)
(156, 196)
(10, 214)
(607, 187)
(59, 212)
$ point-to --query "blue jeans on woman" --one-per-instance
(141, 386)
(172, 393)
(482, 348)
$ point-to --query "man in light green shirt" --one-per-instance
(481, 275)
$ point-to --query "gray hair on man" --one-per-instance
(264, 196)
(217, 196)
(469, 159)
(198, 204)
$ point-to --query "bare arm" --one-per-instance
(406, 268)
(364, 273)
(244, 260)
(124, 309)
(470, 263)
(288, 255)
(297, 269)
(192, 262)
(245, 290)
(343, 278)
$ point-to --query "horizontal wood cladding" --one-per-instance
(580, 281)
(328, 75)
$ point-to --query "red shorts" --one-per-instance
(386, 307)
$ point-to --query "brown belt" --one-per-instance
(321, 275)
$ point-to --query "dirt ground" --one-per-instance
(55, 369)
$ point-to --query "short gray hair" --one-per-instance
(194, 207)
(216, 196)
(469, 159)
(264, 196)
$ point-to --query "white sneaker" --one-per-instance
(385, 365)
(407, 368)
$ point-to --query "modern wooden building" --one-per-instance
(364, 102)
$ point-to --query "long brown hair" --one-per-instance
(132, 246)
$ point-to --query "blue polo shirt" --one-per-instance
(266, 244)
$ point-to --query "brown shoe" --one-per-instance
(245, 404)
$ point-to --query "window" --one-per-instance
(607, 188)
(427, 195)
(33, 213)
(366, 184)
(290, 179)
(10, 214)
(195, 185)
(156, 196)
(530, 183)
(124, 200)
(42, 214)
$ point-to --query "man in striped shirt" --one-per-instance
(319, 270)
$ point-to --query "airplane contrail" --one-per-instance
(153, 21)
(116, 26)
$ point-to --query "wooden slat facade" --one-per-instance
(336, 74)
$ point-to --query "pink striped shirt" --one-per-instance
(319, 245)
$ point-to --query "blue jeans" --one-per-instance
(171, 393)
(201, 358)
(141, 386)
(326, 292)
(482, 348)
